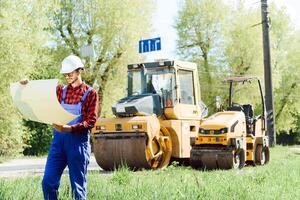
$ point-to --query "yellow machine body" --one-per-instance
(221, 127)
(144, 140)
(230, 139)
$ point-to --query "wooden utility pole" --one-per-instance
(268, 74)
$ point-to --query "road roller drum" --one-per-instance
(114, 150)
(206, 158)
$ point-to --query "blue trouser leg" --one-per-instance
(56, 163)
(78, 159)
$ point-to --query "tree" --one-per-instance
(199, 26)
(111, 27)
(288, 91)
(34, 38)
(21, 39)
(244, 55)
(243, 51)
(233, 42)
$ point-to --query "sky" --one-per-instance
(166, 12)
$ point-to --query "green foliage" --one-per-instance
(37, 139)
(228, 41)
(201, 38)
(288, 92)
(288, 138)
(293, 136)
(243, 52)
(35, 36)
(260, 182)
(37, 136)
(113, 29)
(21, 39)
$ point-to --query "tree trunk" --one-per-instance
(100, 95)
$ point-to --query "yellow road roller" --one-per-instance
(234, 136)
(157, 120)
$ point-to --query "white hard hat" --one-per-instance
(71, 63)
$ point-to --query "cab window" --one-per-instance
(187, 94)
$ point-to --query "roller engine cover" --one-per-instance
(147, 104)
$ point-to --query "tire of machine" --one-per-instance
(262, 155)
(266, 150)
(258, 159)
(239, 159)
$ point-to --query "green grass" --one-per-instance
(280, 179)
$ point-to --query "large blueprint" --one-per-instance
(37, 101)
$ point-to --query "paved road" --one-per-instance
(30, 166)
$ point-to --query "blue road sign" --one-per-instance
(148, 45)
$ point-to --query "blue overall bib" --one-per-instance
(68, 149)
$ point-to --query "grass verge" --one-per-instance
(280, 179)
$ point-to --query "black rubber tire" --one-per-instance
(239, 157)
(261, 155)
(267, 154)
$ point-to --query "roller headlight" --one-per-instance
(100, 128)
(222, 131)
(201, 130)
(136, 126)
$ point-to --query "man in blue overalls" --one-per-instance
(70, 144)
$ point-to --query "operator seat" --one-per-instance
(235, 108)
(249, 114)
(248, 110)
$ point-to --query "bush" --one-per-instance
(11, 129)
(293, 136)
(37, 138)
(288, 138)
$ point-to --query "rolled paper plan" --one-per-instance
(37, 101)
